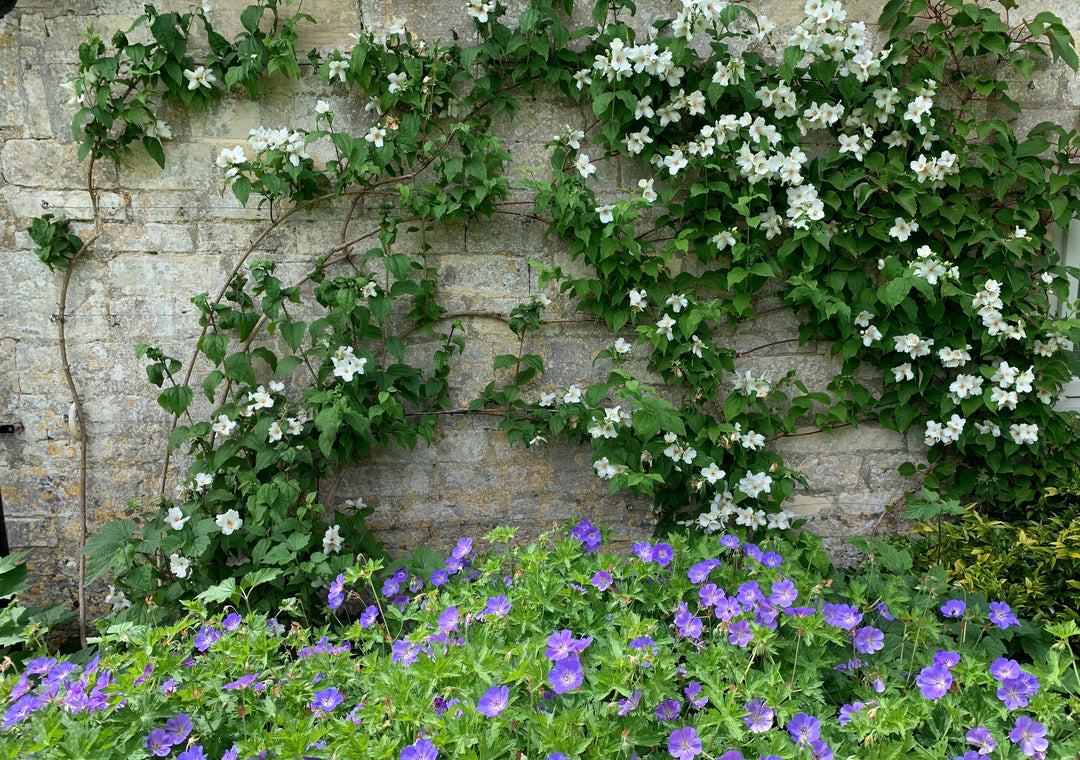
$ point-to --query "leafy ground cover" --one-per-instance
(712, 646)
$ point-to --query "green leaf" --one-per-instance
(154, 150)
(222, 592)
(101, 548)
(238, 367)
(214, 345)
(175, 400)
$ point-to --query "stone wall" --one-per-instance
(170, 234)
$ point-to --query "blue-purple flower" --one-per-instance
(1030, 735)
(981, 738)
(628, 705)
(669, 709)
(869, 640)
(783, 594)
(847, 712)
(602, 580)
(933, 681)
(325, 700)
(567, 675)
(740, 634)
(495, 700)
(953, 608)
(232, 622)
(759, 716)
(804, 728)
(499, 606)
(947, 659)
(337, 592)
(194, 753)
(588, 534)
(684, 744)
(422, 749)
(692, 690)
(842, 616)
(369, 616)
(1002, 616)
(22, 709)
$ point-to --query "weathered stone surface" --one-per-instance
(169, 234)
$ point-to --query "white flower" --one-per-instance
(902, 229)
(573, 395)
(647, 191)
(622, 347)
(870, 335)
(1005, 375)
(370, 290)
(117, 599)
(397, 27)
(223, 426)
(712, 473)
(754, 484)
(175, 518)
(479, 10)
(990, 428)
(200, 77)
(677, 302)
(229, 522)
(202, 480)
(275, 431)
(696, 344)
(337, 69)
(573, 137)
(322, 107)
(1024, 433)
(376, 135)
(637, 300)
(160, 130)
(862, 319)
(582, 78)
(585, 169)
(605, 213)
(260, 399)
(752, 440)
(397, 81)
(966, 385)
(780, 520)
(903, 372)
(295, 426)
(331, 540)
(934, 433)
(663, 327)
(179, 565)
(546, 399)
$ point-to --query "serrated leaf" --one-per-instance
(222, 592)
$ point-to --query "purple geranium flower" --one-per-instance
(1012, 693)
(628, 705)
(819, 750)
(495, 700)
(1002, 616)
(869, 640)
(804, 728)
(759, 716)
(710, 595)
(567, 675)
(241, 683)
(462, 549)
(390, 587)
(740, 633)
(948, 659)
(439, 578)
(560, 645)
(933, 681)
(588, 534)
(195, 753)
(729, 541)
(179, 728)
(498, 606)
(448, 620)
(663, 554)
(842, 616)
(1030, 735)
(602, 580)
(847, 712)
(699, 572)
(953, 608)
(337, 592)
(643, 550)
(727, 608)
(421, 749)
(691, 691)
(689, 625)
(684, 744)
(669, 709)
(783, 594)
(1002, 669)
(23, 708)
(325, 700)
(232, 622)
(771, 559)
(981, 738)
(369, 616)
(159, 743)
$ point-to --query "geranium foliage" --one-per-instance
(688, 647)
